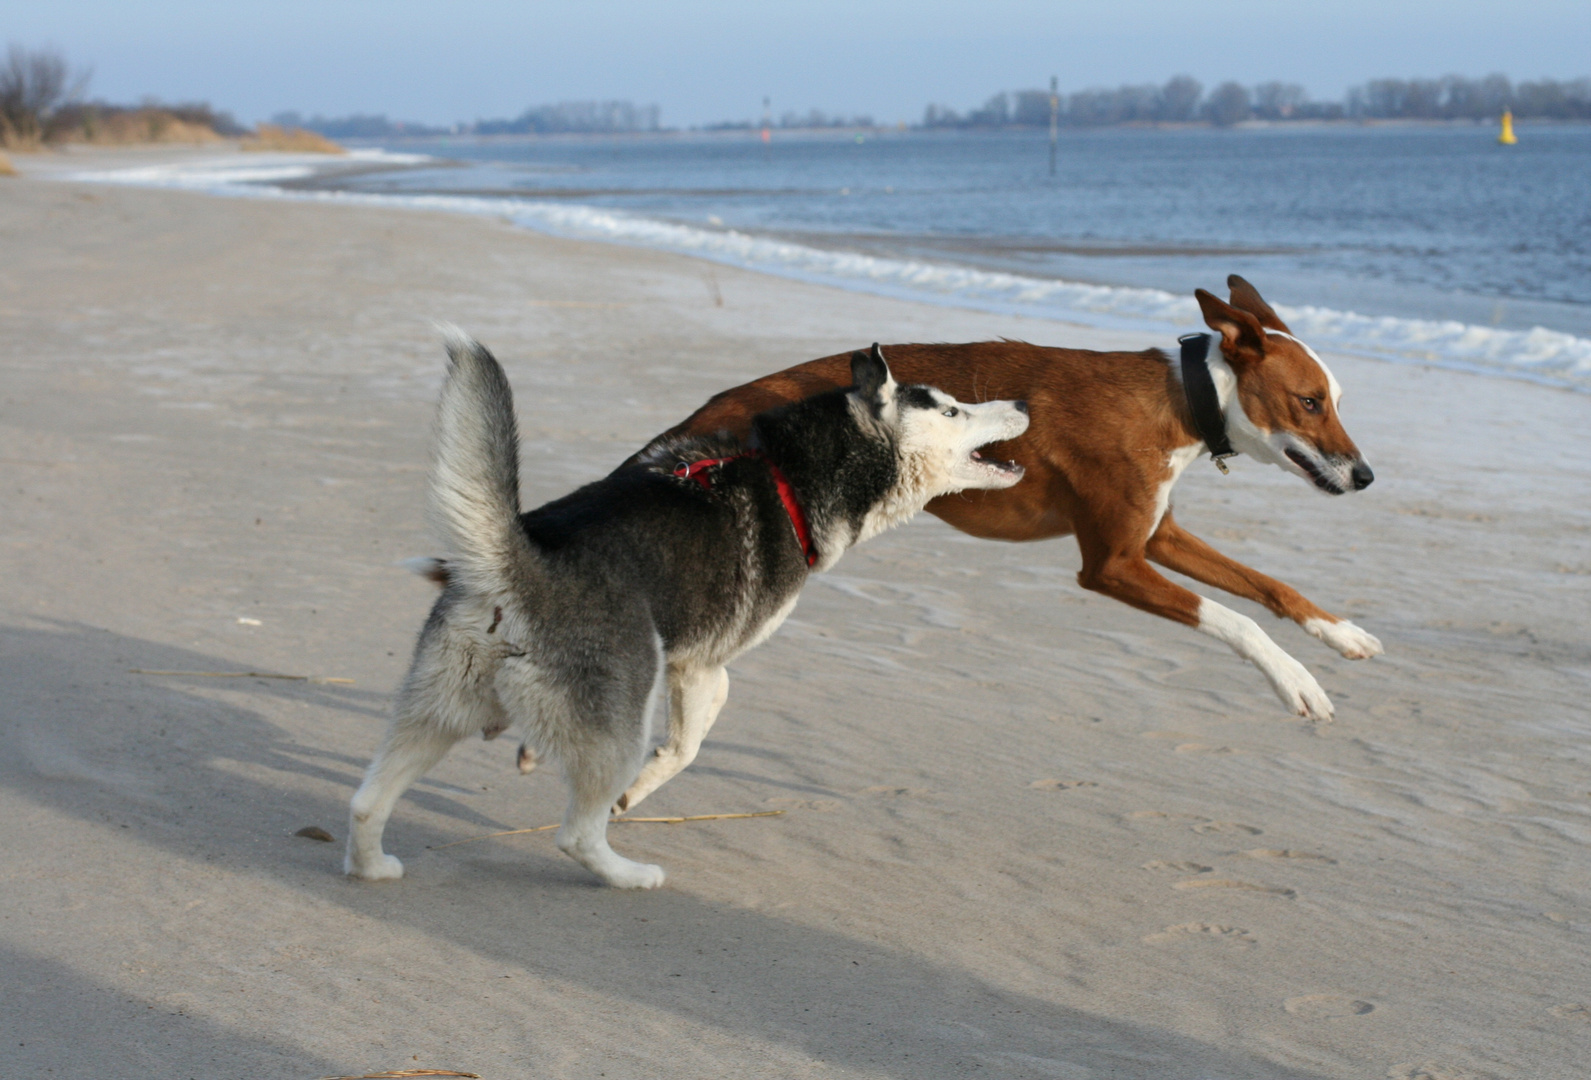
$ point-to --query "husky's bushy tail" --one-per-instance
(474, 498)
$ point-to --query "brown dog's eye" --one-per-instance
(1310, 404)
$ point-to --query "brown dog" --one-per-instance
(1110, 434)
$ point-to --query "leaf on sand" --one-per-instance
(321, 679)
(315, 832)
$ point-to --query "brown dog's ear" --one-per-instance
(1247, 298)
(1242, 337)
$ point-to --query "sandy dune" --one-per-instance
(1029, 832)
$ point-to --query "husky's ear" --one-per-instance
(1242, 337)
(871, 378)
(1247, 298)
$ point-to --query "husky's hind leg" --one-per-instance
(600, 762)
(409, 750)
(584, 835)
(695, 697)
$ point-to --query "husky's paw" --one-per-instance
(1345, 637)
(382, 868)
(1299, 691)
(593, 853)
(633, 875)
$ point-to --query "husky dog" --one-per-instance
(570, 621)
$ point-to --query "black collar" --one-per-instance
(1203, 402)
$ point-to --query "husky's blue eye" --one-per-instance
(952, 412)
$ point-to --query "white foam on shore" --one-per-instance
(236, 174)
(1539, 354)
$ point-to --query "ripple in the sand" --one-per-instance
(1060, 785)
(1234, 884)
(1326, 1006)
(894, 792)
(1288, 853)
(1161, 815)
(1033, 1065)
(1228, 827)
(821, 806)
(1435, 1070)
(1573, 1011)
(1202, 931)
(1180, 867)
(1202, 748)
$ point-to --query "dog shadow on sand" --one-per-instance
(71, 723)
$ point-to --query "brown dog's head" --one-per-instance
(1279, 397)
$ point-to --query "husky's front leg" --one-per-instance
(695, 697)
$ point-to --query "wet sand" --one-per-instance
(1028, 832)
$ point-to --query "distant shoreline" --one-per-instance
(917, 130)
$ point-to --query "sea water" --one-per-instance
(1419, 244)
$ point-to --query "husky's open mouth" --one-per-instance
(1004, 468)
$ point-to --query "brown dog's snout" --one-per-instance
(1363, 477)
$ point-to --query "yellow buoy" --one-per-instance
(1506, 136)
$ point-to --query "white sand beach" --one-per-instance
(1028, 832)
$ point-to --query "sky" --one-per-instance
(708, 60)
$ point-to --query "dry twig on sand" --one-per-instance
(402, 1074)
(318, 679)
(614, 821)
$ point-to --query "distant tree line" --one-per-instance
(1455, 97)
(602, 117)
(812, 118)
(356, 126)
(566, 117)
(1182, 100)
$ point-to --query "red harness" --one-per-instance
(697, 471)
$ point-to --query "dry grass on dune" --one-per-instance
(295, 140)
(126, 127)
(151, 126)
